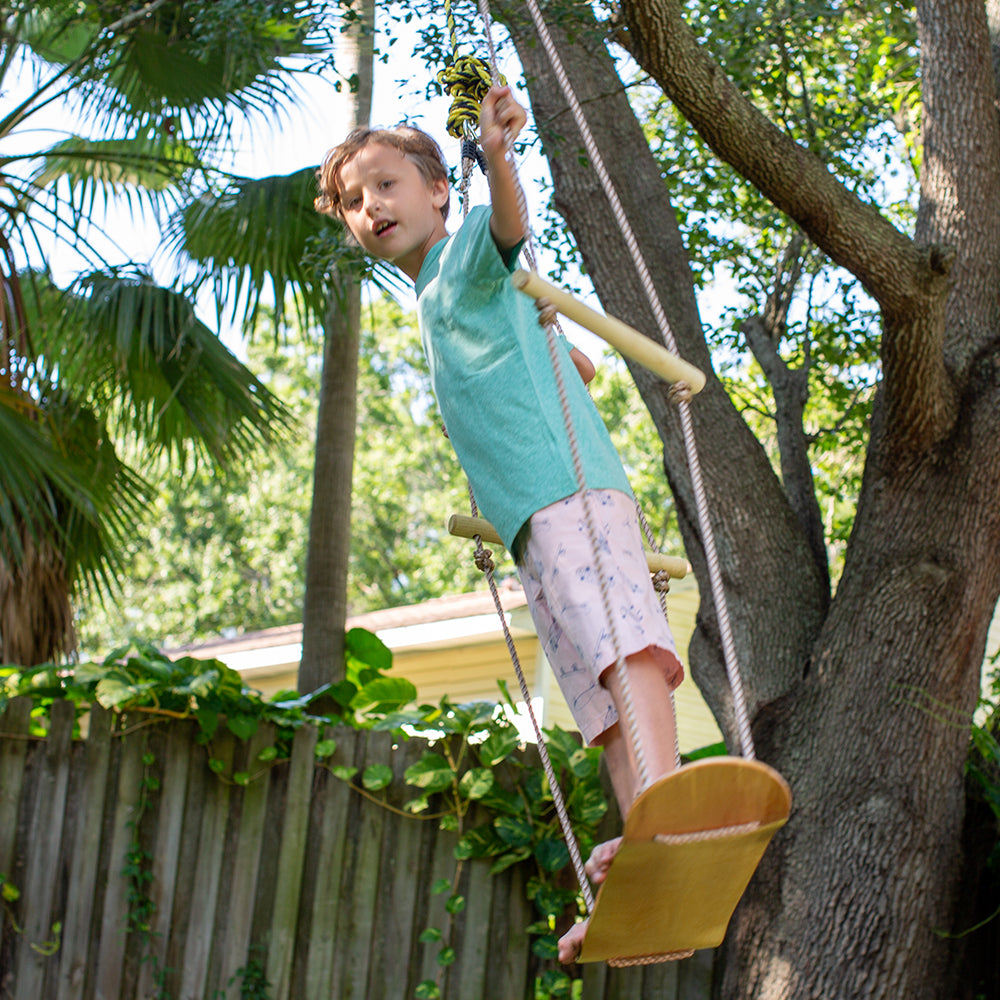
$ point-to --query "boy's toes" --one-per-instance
(571, 942)
(600, 860)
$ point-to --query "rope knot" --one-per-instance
(484, 560)
(661, 581)
(679, 392)
(547, 312)
(466, 79)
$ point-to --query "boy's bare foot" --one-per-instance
(571, 942)
(600, 860)
(597, 871)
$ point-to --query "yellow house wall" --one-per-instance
(469, 671)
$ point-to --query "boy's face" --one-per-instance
(393, 211)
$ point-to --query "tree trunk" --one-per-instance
(324, 613)
(862, 703)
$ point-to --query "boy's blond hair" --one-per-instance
(415, 145)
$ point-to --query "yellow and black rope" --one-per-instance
(465, 79)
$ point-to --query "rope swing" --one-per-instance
(693, 839)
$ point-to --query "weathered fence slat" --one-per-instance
(327, 849)
(441, 868)
(205, 879)
(169, 810)
(468, 973)
(399, 885)
(86, 848)
(291, 860)
(233, 933)
(359, 889)
(15, 724)
(114, 919)
(46, 836)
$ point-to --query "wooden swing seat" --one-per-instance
(691, 844)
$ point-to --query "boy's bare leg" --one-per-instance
(657, 729)
(654, 717)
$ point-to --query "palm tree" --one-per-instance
(252, 235)
(114, 356)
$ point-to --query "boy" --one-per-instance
(493, 379)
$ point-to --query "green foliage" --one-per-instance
(252, 978)
(984, 756)
(150, 94)
(502, 817)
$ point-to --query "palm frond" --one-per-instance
(167, 376)
(147, 163)
(254, 236)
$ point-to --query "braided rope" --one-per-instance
(628, 704)
(670, 956)
(690, 445)
(699, 836)
(484, 561)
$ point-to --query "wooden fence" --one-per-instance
(142, 871)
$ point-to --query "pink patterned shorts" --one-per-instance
(562, 585)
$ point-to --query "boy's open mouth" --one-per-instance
(382, 226)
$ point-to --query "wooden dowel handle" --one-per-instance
(622, 337)
(464, 526)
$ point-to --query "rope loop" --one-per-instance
(548, 315)
(466, 79)
(679, 392)
(661, 581)
(484, 560)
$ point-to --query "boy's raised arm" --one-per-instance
(501, 118)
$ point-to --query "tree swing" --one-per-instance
(693, 839)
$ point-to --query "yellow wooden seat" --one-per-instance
(691, 844)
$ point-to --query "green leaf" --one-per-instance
(242, 726)
(418, 805)
(387, 693)
(446, 956)
(510, 859)
(479, 842)
(208, 722)
(545, 947)
(712, 750)
(427, 990)
(377, 777)
(325, 748)
(455, 904)
(432, 773)
(552, 854)
(344, 772)
(431, 935)
(441, 885)
(476, 783)
(498, 746)
(514, 831)
(368, 649)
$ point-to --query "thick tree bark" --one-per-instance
(863, 704)
(324, 613)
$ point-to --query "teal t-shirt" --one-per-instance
(492, 374)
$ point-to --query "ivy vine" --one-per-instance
(502, 816)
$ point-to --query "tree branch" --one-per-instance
(910, 282)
